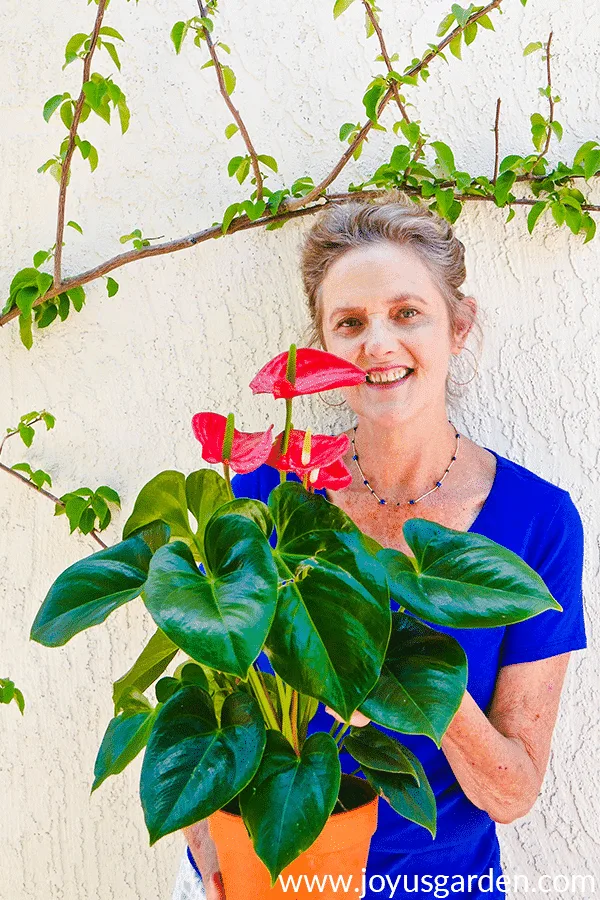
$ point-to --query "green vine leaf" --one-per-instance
(51, 105)
(531, 48)
(535, 212)
(340, 6)
(111, 287)
(228, 78)
(178, 33)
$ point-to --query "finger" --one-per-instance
(215, 890)
(333, 713)
(359, 720)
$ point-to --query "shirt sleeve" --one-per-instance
(559, 561)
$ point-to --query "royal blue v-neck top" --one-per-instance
(538, 521)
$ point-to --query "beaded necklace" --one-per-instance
(438, 484)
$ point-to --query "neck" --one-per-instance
(405, 461)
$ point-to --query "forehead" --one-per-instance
(377, 274)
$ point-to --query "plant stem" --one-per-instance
(285, 440)
(227, 475)
(341, 734)
(263, 700)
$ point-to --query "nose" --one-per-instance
(379, 337)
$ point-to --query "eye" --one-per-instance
(400, 314)
(350, 322)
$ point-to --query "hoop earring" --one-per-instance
(331, 405)
(463, 383)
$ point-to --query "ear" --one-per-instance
(464, 324)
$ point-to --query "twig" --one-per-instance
(14, 433)
(385, 54)
(422, 64)
(93, 533)
(66, 165)
(232, 109)
(550, 101)
(496, 141)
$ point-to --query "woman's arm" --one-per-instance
(205, 854)
(500, 759)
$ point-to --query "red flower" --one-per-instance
(316, 370)
(248, 451)
(323, 451)
(335, 477)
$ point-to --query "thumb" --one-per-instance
(215, 890)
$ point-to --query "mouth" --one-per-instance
(388, 378)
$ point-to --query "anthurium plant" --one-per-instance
(226, 580)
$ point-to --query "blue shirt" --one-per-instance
(538, 521)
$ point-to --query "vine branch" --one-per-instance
(238, 119)
(386, 56)
(550, 101)
(66, 165)
(496, 141)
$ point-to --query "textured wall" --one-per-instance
(124, 377)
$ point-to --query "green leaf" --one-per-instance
(73, 47)
(178, 33)
(445, 25)
(72, 224)
(422, 681)
(371, 100)
(220, 619)
(205, 492)
(111, 32)
(24, 278)
(23, 467)
(268, 161)
(444, 200)
(371, 747)
(340, 6)
(444, 157)
(486, 22)
(63, 306)
(112, 52)
(589, 226)
(44, 283)
(47, 315)
(463, 580)
(503, 186)
(228, 78)
(127, 734)
(150, 664)
(111, 287)
(88, 591)
(27, 433)
(333, 586)
(415, 802)
(573, 219)
(346, 130)
(229, 215)
(66, 113)
(162, 499)
(583, 152)
(52, 105)
(531, 48)
(193, 766)
(231, 130)
(40, 257)
(124, 114)
(93, 159)
(77, 297)
(534, 213)
(557, 129)
(455, 46)
(470, 33)
(591, 165)
(48, 419)
(109, 494)
(558, 213)
(288, 802)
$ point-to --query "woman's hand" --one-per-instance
(357, 719)
(204, 852)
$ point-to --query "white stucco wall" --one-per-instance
(185, 333)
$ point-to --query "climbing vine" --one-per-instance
(423, 167)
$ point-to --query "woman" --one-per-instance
(383, 282)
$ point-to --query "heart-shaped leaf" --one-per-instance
(334, 589)
(150, 664)
(89, 590)
(252, 509)
(373, 748)
(193, 765)
(287, 803)
(412, 800)
(206, 491)
(125, 736)
(163, 498)
(220, 619)
(463, 580)
(422, 681)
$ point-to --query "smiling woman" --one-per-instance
(383, 282)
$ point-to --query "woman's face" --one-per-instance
(383, 312)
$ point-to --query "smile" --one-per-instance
(391, 376)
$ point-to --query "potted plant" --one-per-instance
(296, 583)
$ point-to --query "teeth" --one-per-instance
(387, 377)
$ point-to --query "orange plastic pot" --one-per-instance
(340, 850)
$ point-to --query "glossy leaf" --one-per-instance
(88, 591)
(286, 805)
(193, 765)
(413, 801)
(462, 579)
(373, 748)
(334, 587)
(254, 510)
(422, 681)
(150, 664)
(162, 498)
(126, 735)
(220, 619)
(206, 491)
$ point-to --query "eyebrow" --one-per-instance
(339, 310)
